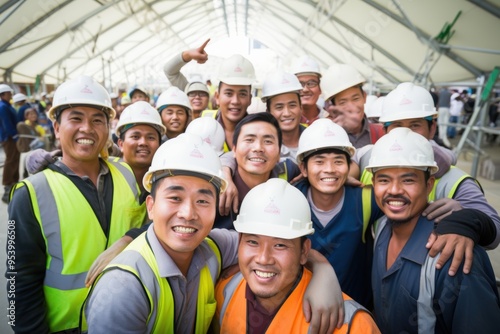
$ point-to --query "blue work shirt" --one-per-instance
(8, 121)
(340, 241)
(462, 303)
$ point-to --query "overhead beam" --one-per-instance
(427, 38)
(487, 6)
(382, 72)
(4, 47)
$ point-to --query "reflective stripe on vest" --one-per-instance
(366, 205)
(65, 216)
(238, 305)
(446, 186)
(138, 259)
(426, 318)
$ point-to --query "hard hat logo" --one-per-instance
(86, 90)
(405, 101)
(395, 147)
(329, 133)
(272, 208)
(196, 154)
(238, 70)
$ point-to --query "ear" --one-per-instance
(303, 169)
(56, 128)
(430, 185)
(216, 96)
(120, 144)
(306, 248)
(149, 206)
(432, 130)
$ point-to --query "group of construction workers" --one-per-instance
(297, 219)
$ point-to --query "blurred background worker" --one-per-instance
(68, 214)
(342, 86)
(21, 104)
(307, 71)
(281, 93)
(8, 135)
(272, 253)
(198, 95)
(138, 94)
(175, 111)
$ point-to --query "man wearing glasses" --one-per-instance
(307, 71)
(197, 93)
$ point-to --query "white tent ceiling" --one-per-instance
(128, 41)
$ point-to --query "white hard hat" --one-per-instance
(197, 86)
(402, 147)
(407, 101)
(113, 95)
(279, 82)
(140, 112)
(374, 109)
(323, 134)
(338, 78)
(275, 209)
(5, 88)
(140, 89)
(186, 154)
(210, 131)
(237, 70)
(173, 96)
(306, 65)
(83, 90)
(19, 97)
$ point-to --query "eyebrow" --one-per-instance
(203, 191)
(81, 113)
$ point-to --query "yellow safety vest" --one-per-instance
(138, 259)
(74, 237)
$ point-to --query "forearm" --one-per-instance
(470, 223)
(172, 70)
(470, 197)
(228, 160)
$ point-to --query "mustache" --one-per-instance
(396, 197)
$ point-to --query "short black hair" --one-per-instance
(328, 150)
(258, 117)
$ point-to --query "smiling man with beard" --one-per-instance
(410, 294)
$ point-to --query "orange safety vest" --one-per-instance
(231, 310)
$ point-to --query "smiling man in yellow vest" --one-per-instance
(266, 296)
(65, 216)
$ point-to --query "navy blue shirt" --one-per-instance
(8, 121)
(340, 241)
(462, 303)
